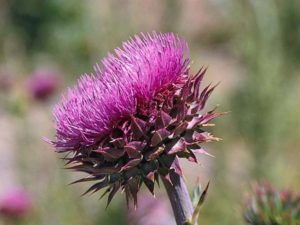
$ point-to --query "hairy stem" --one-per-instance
(179, 198)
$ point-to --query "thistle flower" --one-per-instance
(15, 203)
(268, 206)
(132, 119)
(42, 84)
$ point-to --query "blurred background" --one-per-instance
(251, 46)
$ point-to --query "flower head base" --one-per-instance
(270, 206)
(133, 119)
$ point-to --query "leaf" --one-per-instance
(196, 194)
(201, 151)
(179, 129)
(118, 142)
(134, 188)
(149, 184)
(116, 187)
(138, 127)
(111, 153)
(198, 80)
(87, 179)
(194, 122)
(178, 147)
(176, 166)
(156, 178)
(151, 176)
(159, 136)
(154, 153)
(94, 170)
(181, 111)
(210, 116)
(131, 163)
(163, 120)
(205, 95)
(134, 148)
(196, 212)
(97, 186)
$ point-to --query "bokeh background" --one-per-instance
(251, 46)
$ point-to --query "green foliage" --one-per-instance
(33, 20)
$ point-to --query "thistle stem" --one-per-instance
(179, 197)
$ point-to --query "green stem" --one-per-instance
(180, 199)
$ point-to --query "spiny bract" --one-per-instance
(128, 123)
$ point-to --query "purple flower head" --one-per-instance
(130, 121)
(15, 203)
(123, 81)
(42, 84)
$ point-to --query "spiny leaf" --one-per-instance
(97, 186)
(111, 153)
(159, 136)
(131, 163)
(178, 147)
(179, 129)
(149, 184)
(134, 148)
(198, 80)
(113, 192)
(134, 188)
(176, 166)
(204, 97)
(154, 153)
(118, 142)
(196, 212)
(163, 120)
(210, 116)
(86, 179)
(196, 193)
(138, 127)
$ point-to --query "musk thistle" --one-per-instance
(269, 206)
(129, 122)
(15, 203)
(42, 84)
